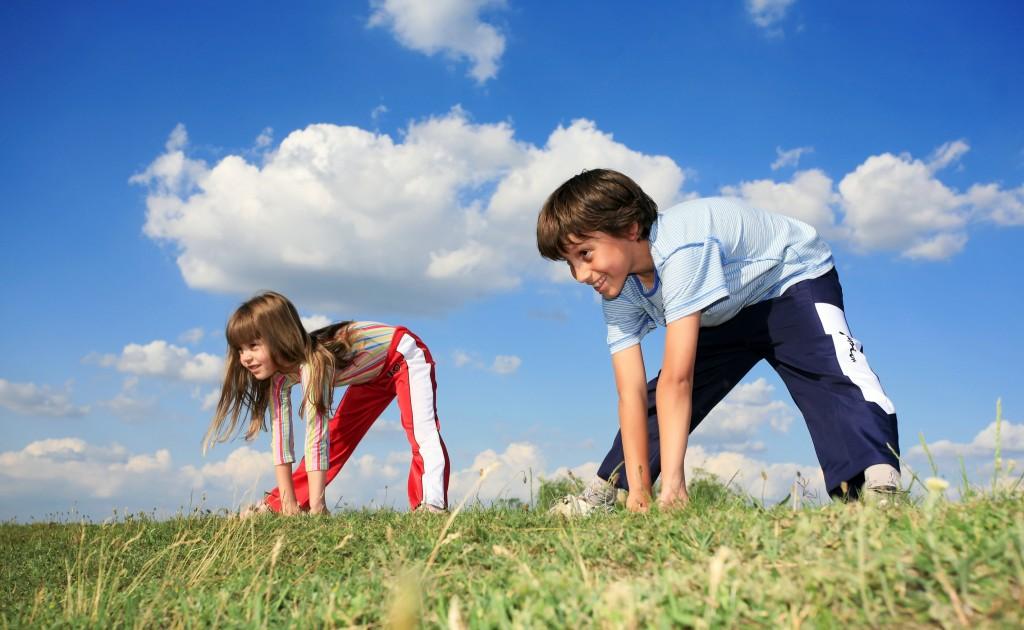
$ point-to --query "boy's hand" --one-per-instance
(638, 502)
(673, 499)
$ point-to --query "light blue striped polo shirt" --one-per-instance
(714, 255)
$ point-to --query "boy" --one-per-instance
(733, 285)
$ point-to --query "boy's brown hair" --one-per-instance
(600, 200)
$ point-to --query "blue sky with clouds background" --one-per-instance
(385, 160)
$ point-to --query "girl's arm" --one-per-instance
(281, 443)
(286, 490)
(631, 383)
(675, 405)
(317, 446)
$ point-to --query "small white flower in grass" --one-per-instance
(936, 485)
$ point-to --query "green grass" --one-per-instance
(722, 562)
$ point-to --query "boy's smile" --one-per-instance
(604, 261)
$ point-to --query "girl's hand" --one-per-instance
(638, 502)
(320, 509)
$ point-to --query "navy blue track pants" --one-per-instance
(804, 336)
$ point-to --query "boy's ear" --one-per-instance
(634, 231)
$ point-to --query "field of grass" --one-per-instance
(724, 561)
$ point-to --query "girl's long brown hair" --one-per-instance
(271, 318)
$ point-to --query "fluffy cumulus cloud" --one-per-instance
(891, 203)
(56, 476)
(757, 478)
(162, 359)
(30, 399)
(346, 219)
(747, 408)
(453, 28)
(808, 196)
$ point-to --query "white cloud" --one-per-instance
(451, 27)
(896, 203)
(209, 399)
(891, 203)
(128, 404)
(192, 336)
(509, 474)
(345, 219)
(57, 475)
(265, 138)
(506, 364)
(159, 358)
(808, 197)
(1011, 440)
(946, 154)
(789, 157)
(767, 13)
(461, 358)
(30, 399)
(747, 408)
(757, 478)
(502, 364)
(314, 322)
(1002, 207)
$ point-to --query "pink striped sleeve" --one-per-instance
(282, 445)
(317, 436)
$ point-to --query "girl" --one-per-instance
(269, 351)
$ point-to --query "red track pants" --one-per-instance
(408, 374)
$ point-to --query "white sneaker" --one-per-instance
(882, 487)
(883, 497)
(598, 497)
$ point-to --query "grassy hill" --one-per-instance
(723, 561)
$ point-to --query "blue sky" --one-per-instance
(385, 160)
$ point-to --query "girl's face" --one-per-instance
(255, 357)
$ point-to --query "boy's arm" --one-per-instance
(631, 383)
(675, 404)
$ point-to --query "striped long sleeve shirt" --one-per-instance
(369, 343)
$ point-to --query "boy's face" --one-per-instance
(602, 260)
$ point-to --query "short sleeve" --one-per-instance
(627, 323)
(692, 279)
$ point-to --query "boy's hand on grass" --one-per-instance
(673, 499)
(638, 502)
